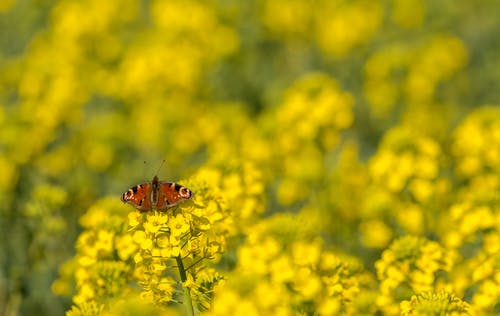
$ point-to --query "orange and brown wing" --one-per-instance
(139, 197)
(171, 194)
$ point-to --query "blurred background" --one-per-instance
(305, 92)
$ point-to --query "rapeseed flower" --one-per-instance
(435, 303)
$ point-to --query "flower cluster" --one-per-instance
(434, 303)
(160, 252)
(309, 120)
(472, 220)
(406, 187)
(276, 275)
(476, 145)
(183, 238)
(336, 28)
(410, 265)
(98, 273)
(412, 72)
(407, 163)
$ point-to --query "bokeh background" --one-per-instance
(358, 125)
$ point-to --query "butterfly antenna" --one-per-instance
(161, 165)
(144, 164)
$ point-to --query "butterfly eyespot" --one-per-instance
(185, 192)
(125, 196)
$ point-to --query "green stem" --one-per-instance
(187, 295)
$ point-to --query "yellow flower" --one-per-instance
(143, 241)
(105, 241)
(375, 234)
(171, 250)
(125, 246)
(269, 295)
(139, 236)
(307, 283)
(154, 222)
(189, 283)
(133, 219)
(281, 269)
(411, 217)
(492, 243)
(166, 286)
(329, 306)
(178, 225)
(306, 254)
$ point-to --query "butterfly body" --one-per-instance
(156, 194)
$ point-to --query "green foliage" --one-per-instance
(343, 157)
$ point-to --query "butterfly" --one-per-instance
(156, 194)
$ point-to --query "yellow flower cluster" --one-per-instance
(407, 161)
(410, 265)
(432, 303)
(275, 275)
(337, 27)
(309, 121)
(240, 189)
(476, 146)
(98, 273)
(473, 219)
(186, 237)
(151, 251)
(412, 72)
(405, 185)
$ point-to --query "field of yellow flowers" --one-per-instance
(344, 157)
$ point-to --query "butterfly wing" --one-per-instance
(139, 196)
(171, 194)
